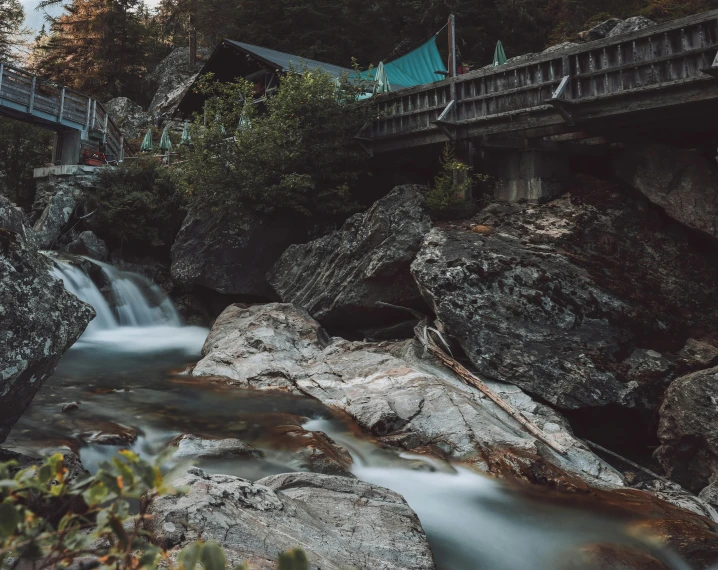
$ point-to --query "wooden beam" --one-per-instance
(31, 105)
(62, 106)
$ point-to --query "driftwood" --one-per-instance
(423, 333)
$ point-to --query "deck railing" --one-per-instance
(660, 56)
(52, 104)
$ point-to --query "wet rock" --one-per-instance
(603, 29)
(39, 319)
(171, 79)
(339, 278)
(87, 243)
(129, 117)
(391, 391)
(318, 452)
(108, 433)
(570, 299)
(231, 253)
(682, 182)
(610, 557)
(339, 522)
(69, 406)
(688, 429)
(191, 446)
(629, 25)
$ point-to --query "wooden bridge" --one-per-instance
(77, 119)
(581, 93)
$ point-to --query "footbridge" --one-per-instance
(78, 120)
(660, 79)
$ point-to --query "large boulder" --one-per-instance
(339, 522)
(339, 278)
(629, 25)
(129, 117)
(88, 244)
(404, 400)
(171, 79)
(571, 300)
(231, 253)
(39, 319)
(682, 182)
(688, 429)
(55, 219)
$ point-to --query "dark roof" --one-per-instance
(285, 61)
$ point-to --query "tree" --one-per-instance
(12, 17)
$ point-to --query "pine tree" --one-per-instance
(11, 30)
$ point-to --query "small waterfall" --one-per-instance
(129, 299)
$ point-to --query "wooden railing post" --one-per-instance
(62, 105)
(2, 71)
(89, 110)
(94, 114)
(104, 134)
(32, 94)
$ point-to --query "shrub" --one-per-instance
(296, 153)
(445, 196)
(137, 203)
(51, 522)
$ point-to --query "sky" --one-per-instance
(35, 19)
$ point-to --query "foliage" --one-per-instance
(23, 148)
(297, 155)
(445, 196)
(11, 30)
(50, 521)
(137, 203)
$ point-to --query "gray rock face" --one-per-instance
(602, 30)
(402, 399)
(90, 245)
(54, 220)
(629, 25)
(129, 117)
(569, 299)
(682, 182)
(688, 429)
(339, 278)
(39, 319)
(172, 77)
(338, 522)
(231, 254)
(195, 447)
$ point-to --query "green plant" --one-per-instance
(446, 195)
(137, 203)
(296, 154)
(52, 522)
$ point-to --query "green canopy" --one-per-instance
(165, 142)
(186, 135)
(147, 142)
(499, 54)
(417, 67)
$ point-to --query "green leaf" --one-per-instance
(189, 556)
(212, 557)
(9, 519)
(95, 494)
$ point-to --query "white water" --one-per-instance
(133, 316)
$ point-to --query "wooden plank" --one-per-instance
(62, 106)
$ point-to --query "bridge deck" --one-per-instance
(666, 65)
(29, 98)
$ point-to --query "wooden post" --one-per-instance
(89, 110)
(452, 46)
(62, 106)
(2, 70)
(32, 94)
(104, 134)
(94, 114)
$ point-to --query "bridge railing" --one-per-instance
(26, 93)
(672, 53)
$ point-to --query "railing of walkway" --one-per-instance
(26, 93)
(660, 56)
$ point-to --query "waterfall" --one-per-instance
(133, 314)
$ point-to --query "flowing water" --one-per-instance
(124, 373)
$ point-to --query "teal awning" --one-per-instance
(147, 142)
(417, 67)
(499, 54)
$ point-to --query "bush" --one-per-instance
(137, 203)
(51, 522)
(445, 196)
(297, 153)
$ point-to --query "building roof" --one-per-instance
(286, 61)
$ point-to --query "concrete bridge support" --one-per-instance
(532, 175)
(67, 147)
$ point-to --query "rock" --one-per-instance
(338, 522)
(318, 452)
(340, 278)
(629, 25)
(560, 47)
(231, 253)
(54, 220)
(88, 244)
(172, 77)
(688, 429)
(194, 447)
(109, 433)
(69, 406)
(699, 354)
(610, 557)
(403, 400)
(77, 182)
(39, 319)
(129, 117)
(602, 30)
(682, 182)
(570, 299)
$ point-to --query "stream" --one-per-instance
(125, 376)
